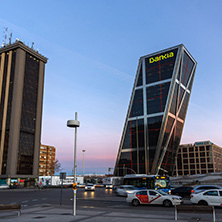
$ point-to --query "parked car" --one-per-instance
(209, 197)
(182, 191)
(200, 188)
(109, 186)
(4, 186)
(81, 185)
(90, 186)
(99, 185)
(153, 197)
(123, 190)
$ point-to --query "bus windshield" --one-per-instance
(162, 183)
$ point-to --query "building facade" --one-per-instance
(156, 113)
(198, 158)
(47, 160)
(21, 97)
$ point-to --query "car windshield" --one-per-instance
(162, 193)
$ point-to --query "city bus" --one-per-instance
(143, 181)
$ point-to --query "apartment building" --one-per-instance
(47, 160)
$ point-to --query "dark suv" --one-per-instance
(182, 191)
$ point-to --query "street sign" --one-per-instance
(62, 176)
(74, 186)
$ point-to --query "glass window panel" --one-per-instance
(156, 97)
(137, 106)
(140, 77)
(154, 125)
(186, 69)
(135, 129)
(125, 159)
(174, 100)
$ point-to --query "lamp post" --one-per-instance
(83, 151)
(74, 124)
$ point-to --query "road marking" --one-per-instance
(24, 205)
(14, 203)
(44, 198)
(35, 200)
(25, 201)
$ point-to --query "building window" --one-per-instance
(203, 165)
(202, 148)
(191, 154)
(202, 160)
(191, 149)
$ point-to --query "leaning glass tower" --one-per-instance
(156, 113)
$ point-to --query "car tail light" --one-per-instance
(191, 195)
(192, 191)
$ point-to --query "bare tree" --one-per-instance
(57, 166)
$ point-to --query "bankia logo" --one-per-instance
(161, 57)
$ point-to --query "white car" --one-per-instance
(81, 185)
(4, 186)
(123, 190)
(109, 186)
(90, 186)
(211, 197)
(153, 197)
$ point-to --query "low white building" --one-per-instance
(55, 180)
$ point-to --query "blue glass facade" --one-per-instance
(156, 113)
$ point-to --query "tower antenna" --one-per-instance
(6, 30)
(10, 38)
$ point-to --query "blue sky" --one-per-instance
(93, 48)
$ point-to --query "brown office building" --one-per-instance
(21, 96)
(198, 158)
(47, 160)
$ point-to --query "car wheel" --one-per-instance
(167, 203)
(135, 202)
(202, 202)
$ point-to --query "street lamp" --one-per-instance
(83, 151)
(74, 124)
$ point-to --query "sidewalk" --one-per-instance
(62, 214)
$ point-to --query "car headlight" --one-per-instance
(175, 198)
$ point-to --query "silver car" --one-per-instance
(200, 188)
(123, 190)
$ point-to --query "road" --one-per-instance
(30, 197)
(100, 200)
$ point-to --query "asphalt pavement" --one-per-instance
(99, 206)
